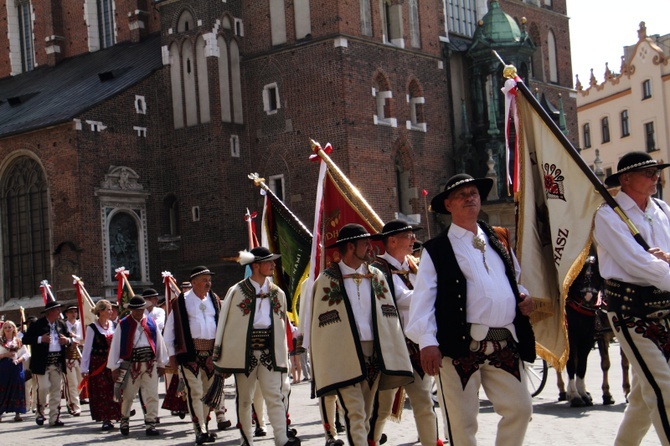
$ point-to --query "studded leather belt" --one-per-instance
(260, 339)
(142, 354)
(646, 302)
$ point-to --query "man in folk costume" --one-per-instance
(251, 344)
(189, 336)
(137, 358)
(398, 238)
(637, 292)
(73, 360)
(153, 309)
(48, 338)
(470, 318)
(352, 303)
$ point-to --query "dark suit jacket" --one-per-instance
(39, 352)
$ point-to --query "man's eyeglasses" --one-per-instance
(650, 173)
(408, 235)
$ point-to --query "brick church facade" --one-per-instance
(128, 129)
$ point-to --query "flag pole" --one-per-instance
(260, 182)
(509, 72)
(424, 192)
(340, 176)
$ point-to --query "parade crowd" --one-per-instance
(374, 330)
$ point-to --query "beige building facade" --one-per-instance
(629, 110)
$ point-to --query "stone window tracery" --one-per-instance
(25, 229)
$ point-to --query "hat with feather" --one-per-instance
(259, 254)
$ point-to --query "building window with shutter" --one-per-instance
(649, 139)
(587, 136)
(646, 89)
(605, 127)
(625, 127)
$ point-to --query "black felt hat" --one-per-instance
(350, 233)
(70, 307)
(136, 303)
(149, 292)
(630, 162)
(484, 186)
(394, 227)
(51, 305)
(200, 270)
(258, 254)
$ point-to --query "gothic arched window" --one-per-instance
(25, 228)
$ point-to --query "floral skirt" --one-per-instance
(101, 392)
(12, 387)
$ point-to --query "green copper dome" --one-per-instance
(499, 31)
(496, 27)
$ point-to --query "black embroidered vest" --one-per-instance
(453, 331)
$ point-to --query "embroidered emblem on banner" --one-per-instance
(389, 311)
(553, 182)
(329, 317)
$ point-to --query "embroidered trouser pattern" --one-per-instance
(646, 343)
(419, 393)
(505, 389)
(272, 386)
(197, 382)
(72, 380)
(358, 399)
(145, 377)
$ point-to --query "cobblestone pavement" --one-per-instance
(553, 423)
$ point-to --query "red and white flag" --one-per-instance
(338, 202)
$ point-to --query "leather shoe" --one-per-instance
(204, 437)
(107, 426)
(39, 421)
(295, 441)
(260, 432)
(223, 425)
(152, 432)
(58, 423)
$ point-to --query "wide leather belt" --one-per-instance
(203, 347)
(53, 358)
(260, 339)
(646, 302)
(142, 354)
(498, 334)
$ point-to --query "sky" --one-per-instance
(599, 29)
